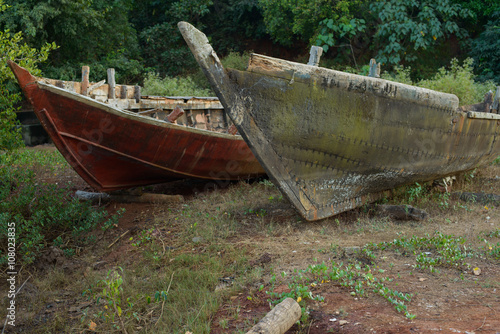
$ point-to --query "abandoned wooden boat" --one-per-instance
(332, 141)
(114, 149)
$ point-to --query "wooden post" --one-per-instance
(495, 105)
(137, 93)
(279, 319)
(123, 92)
(374, 69)
(315, 55)
(85, 79)
(111, 83)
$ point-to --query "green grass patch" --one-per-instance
(41, 215)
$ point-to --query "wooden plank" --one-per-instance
(95, 86)
(482, 115)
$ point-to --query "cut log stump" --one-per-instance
(279, 319)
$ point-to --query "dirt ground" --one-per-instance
(449, 301)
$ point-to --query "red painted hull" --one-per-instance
(114, 149)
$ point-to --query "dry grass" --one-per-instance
(243, 235)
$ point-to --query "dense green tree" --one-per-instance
(162, 46)
(288, 21)
(235, 25)
(89, 32)
(486, 50)
(406, 27)
(12, 47)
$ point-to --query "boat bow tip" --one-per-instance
(22, 75)
(197, 42)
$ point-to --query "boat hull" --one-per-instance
(332, 141)
(113, 149)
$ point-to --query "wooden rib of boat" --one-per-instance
(332, 141)
(114, 149)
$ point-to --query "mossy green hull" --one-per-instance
(333, 141)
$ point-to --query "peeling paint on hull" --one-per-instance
(113, 149)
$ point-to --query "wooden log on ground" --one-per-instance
(144, 198)
(402, 212)
(279, 319)
(477, 197)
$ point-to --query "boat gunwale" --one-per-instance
(294, 71)
(129, 114)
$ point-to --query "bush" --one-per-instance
(43, 214)
(400, 74)
(234, 60)
(459, 80)
(169, 86)
(10, 129)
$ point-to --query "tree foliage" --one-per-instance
(87, 31)
(406, 27)
(486, 50)
(290, 20)
(12, 47)
(140, 36)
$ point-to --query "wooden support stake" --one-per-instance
(85, 79)
(495, 105)
(111, 83)
(315, 55)
(123, 92)
(279, 319)
(374, 69)
(137, 94)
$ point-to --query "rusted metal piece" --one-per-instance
(175, 114)
(233, 130)
(332, 141)
(114, 149)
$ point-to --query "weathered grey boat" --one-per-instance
(332, 141)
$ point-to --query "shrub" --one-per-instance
(400, 74)
(235, 60)
(169, 86)
(459, 80)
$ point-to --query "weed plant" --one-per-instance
(43, 214)
(357, 277)
(432, 252)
